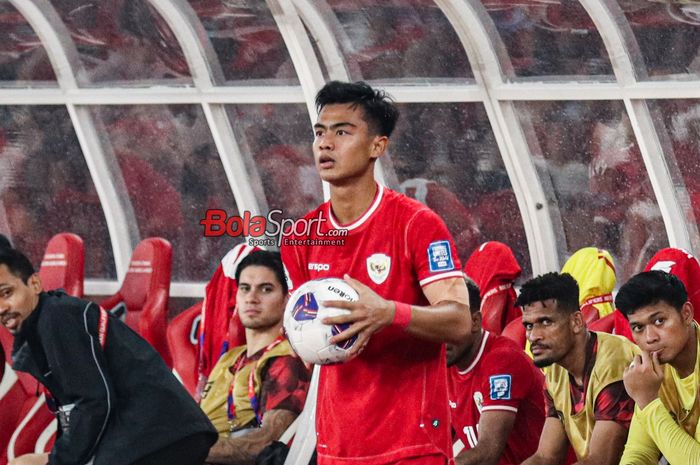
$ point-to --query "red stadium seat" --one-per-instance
(604, 325)
(183, 334)
(63, 264)
(145, 292)
(14, 391)
(36, 431)
(515, 331)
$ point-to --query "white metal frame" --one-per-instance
(480, 41)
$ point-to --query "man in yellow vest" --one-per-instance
(587, 405)
(255, 391)
(663, 380)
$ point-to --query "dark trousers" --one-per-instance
(191, 450)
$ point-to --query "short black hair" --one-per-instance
(474, 295)
(4, 242)
(561, 287)
(379, 109)
(17, 263)
(649, 288)
(271, 260)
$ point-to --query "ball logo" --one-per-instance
(306, 308)
(378, 266)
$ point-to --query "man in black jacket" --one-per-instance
(116, 401)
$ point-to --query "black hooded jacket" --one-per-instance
(123, 400)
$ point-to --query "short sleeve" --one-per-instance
(551, 409)
(285, 385)
(432, 248)
(293, 270)
(506, 381)
(614, 404)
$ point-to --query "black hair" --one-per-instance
(649, 288)
(17, 263)
(474, 295)
(271, 260)
(561, 287)
(4, 242)
(380, 113)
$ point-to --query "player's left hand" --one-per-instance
(643, 378)
(367, 315)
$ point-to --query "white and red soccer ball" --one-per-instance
(302, 321)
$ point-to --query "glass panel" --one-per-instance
(681, 131)
(45, 187)
(591, 168)
(247, 41)
(668, 34)
(276, 142)
(23, 60)
(123, 42)
(399, 39)
(173, 174)
(554, 39)
(463, 178)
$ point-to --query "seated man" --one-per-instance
(116, 401)
(663, 380)
(587, 403)
(255, 391)
(495, 394)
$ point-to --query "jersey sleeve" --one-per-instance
(432, 248)
(614, 404)
(285, 385)
(640, 448)
(507, 380)
(293, 266)
(677, 446)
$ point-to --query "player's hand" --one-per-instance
(367, 315)
(643, 378)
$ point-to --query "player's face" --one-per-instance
(17, 298)
(344, 147)
(549, 330)
(662, 329)
(464, 352)
(260, 298)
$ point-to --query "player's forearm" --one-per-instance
(540, 460)
(677, 446)
(477, 456)
(445, 321)
(243, 450)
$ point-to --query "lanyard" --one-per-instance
(240, 362)
(598, 300)
(496, 290)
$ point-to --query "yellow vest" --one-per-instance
(215, 395)
(686, 419)
(614, 354)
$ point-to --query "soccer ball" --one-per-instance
(302, 321)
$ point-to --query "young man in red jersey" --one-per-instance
(496, 396)
(388, 404)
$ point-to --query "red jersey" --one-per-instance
(501, 377)
(390, 402)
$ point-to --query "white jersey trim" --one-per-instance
(499, 407)
(363, 219)
(478, 356)
(438, 277)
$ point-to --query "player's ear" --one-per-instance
(577, 322)
(379, 145)
(477, 318)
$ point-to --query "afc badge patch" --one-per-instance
(378, 266)
(500, 387)
(440, 257)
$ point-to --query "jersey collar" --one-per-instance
(361, 220)
(478, 356)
